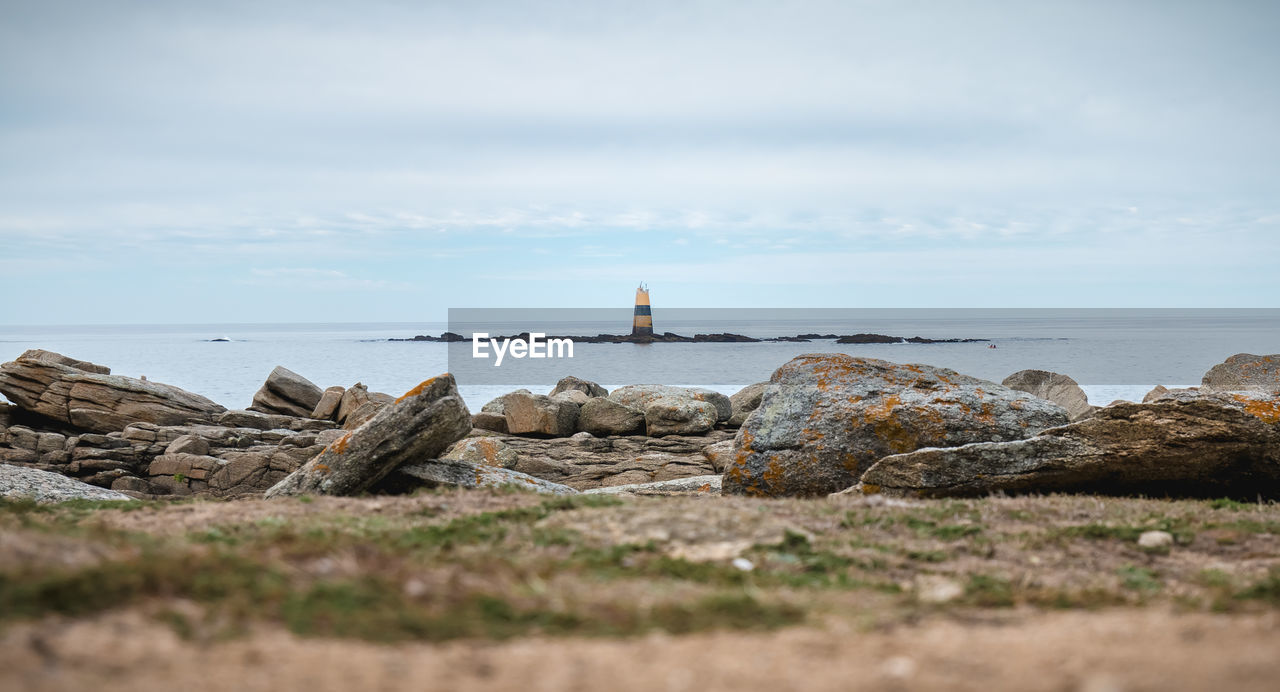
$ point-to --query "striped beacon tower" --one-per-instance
(642, 323)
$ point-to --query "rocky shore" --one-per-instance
(824, 423)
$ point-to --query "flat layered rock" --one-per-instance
(693, 485)
(17, 482)
(464, 474)
(86, 398)
(1186, 443)
(827, 417)
(586, 461)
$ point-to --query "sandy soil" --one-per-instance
(1113, 650)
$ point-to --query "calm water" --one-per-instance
(1113, 353)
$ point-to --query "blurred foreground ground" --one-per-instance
(495, 590)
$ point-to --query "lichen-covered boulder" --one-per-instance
(1055, 387)
(1243, 372)
(85, 396)
(678, 416)
(603, 417)
(485, 451)
(744, 401)
(419, 425)
(536, 414)
(826, 417)
(1185, 443)
(571, 383)
(639, 396)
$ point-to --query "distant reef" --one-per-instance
(721, 338)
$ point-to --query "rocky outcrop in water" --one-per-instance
(825, 418)
(1182, 444)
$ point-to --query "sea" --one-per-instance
(1114, 353)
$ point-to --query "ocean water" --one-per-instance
(1114, 354)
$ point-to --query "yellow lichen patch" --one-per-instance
(416, 390)
(339, 445)
(1268, 411)
(870, 489)
(704, 488)
(323, 468)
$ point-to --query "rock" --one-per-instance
(37, 355)
(603, 417)
(188, 444)
(1191, 444)
(453, 472)
(485, 420)
(639, 396)
(678, 416)
(94, 401)
(719, 454)
(536, 414)
(825, 418)
(18, 482)
(614, 460)
(1155, 541)
(1243, 372)
(744, 402)
(483, 451)
(419, 426)
(1159, 391)
(362, 415)
(287, 392)
(573, 384)
(1059, 389)
(352, 399)
(236, 418)
(327, 408)
(572, 396)
(692, 485)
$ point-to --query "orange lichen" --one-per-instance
(704, 488)
(339, 445)
(1268, 411)
(416, 390)
(323, 468)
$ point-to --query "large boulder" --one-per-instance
(1244, 372)
(536, 414)
(744, 401)
(826, 417)
(1185, 443)
(483, 451)
(86, 397)
(639, 396)
(287, 392)
(692, 485)
(17, 482)
(678, 416)
(572, 383)
(418, 426)
(603, 417)
(1059, 389)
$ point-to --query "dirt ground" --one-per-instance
(496, 590)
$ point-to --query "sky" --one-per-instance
(385, 161)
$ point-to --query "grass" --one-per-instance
(496, 564)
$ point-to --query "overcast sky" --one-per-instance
(361, 161)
